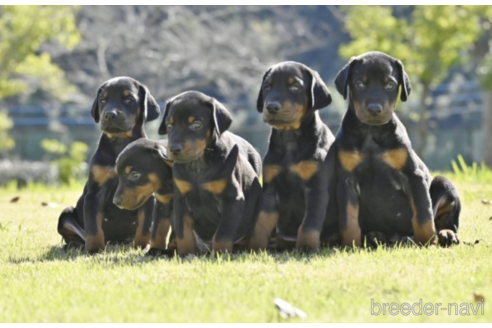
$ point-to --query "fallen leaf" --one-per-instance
(287, 311)
(15, 199)
(486, 202)
(479, 297)
(49, 204)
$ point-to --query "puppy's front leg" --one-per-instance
(183, 227)
(142, 235)
(267, 218)
(93, 218)
(348, 209)
(424, 229)
(233, 204)
(161, 224)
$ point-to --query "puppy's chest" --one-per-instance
(200, 185)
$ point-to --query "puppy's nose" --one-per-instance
(110, 114)
(175, 149)
(117, 200)
(375, 109)
(273, 107)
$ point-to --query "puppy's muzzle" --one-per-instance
(375, 109)
(273, 107)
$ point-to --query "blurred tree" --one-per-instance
(6, 142)
(429, 40)
(221, 50)
(24, 66)
(69, 160)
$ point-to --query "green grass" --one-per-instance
(40, 282)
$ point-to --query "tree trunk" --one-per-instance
(422, 123)
(487, 127)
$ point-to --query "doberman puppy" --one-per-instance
(295, 174)
(382, 187)
(121, 107)
(216, 175)
(144, 169)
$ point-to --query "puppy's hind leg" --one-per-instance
(70, 229)
(446, 206)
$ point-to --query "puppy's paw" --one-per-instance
(376, 238)
(447, 238)
(157, 252)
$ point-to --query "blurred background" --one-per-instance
(53, 59)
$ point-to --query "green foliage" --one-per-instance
(471, 173)
(6, 124)
(23, 31)
(69, 160)
(429, 41)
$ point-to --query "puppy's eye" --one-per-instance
(360, 85)
(134, 176)
(267, 88)
(169, 126)
(295, 87)
(196, 125)
(130, 100)
(390, 86)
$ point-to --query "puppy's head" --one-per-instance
(121, 104)
(289, 92)
(372, 80)
(143, 166)
(193, 121)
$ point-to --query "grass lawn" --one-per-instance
(40, 282)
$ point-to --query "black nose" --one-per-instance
(110, 114)
(273, 107)
(175, 149)
(117, 200)
(375, 109)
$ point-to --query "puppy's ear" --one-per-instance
(160, 151)
(320, 95)
(404, 81)
(260, 100)
(342, 79)
(222, 117)
(163, 128)
(149, 107)
(95, 104)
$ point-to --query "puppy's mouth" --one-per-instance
(379, 114)
(186, 157)
(132, 203)
(117, 126)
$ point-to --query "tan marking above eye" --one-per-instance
(305, 169)
(191, 119)
(183, 186)
(291, 80)
(128, 169)
(171, 119)
(270, 172)
(364, 78)
(386, 79)
(395, 158)
(350, 159)
(216, 186)
(126, 93)
(102, 174)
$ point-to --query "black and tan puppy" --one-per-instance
(144, 169)
(295, 174)
(215, 175)
(121, 107)
(382, 186)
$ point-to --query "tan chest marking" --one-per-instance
(395, 158)
(215, 187)
(350, 159)
(102, 174)
(270, 172)
(183, 186)
(164, 199)
(305, 169)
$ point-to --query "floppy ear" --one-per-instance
(149, 107)
(341, 81)
(163, 128)
(161, 152)
(95, 105)
(406, 86)
(320, 95)
(222, 117)
(260, 101)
